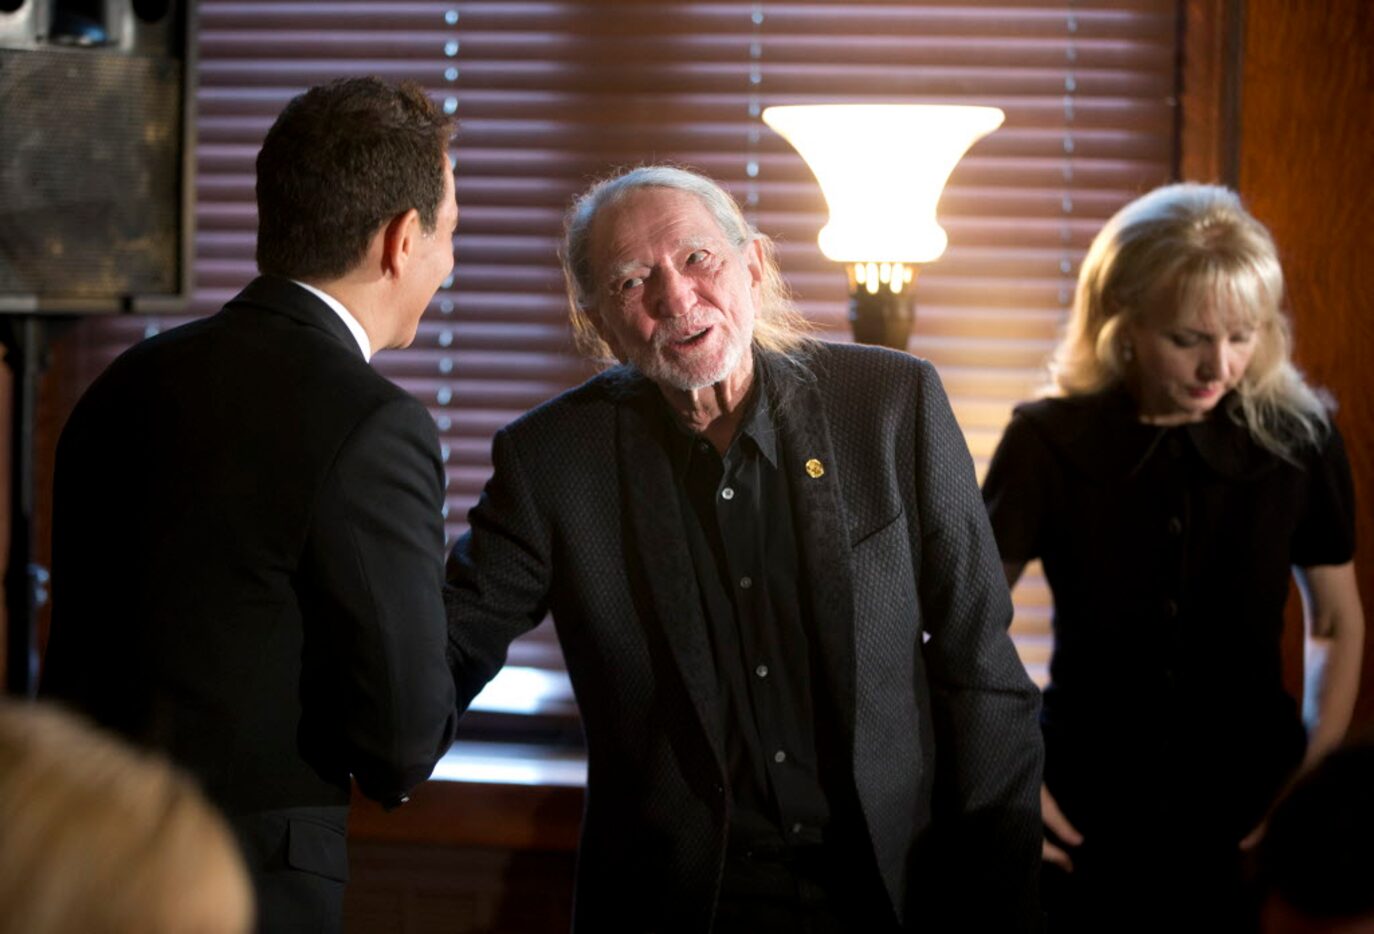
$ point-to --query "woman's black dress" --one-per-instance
(1168, 551)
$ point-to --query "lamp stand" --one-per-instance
(882, 316)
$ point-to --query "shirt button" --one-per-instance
(761, 671)
(746, 582)
(727, 493)
(1175, 525)
(779, 756)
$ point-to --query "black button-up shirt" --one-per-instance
(738, 517)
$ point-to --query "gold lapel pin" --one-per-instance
(815, 469)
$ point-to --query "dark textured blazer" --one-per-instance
(248, 568)
(909, 602)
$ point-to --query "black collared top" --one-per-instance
(737, 513)
(1168, 552)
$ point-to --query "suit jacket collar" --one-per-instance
(284, 297)
(660, 542)
(819, 516)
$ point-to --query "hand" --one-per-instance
(1057, 824)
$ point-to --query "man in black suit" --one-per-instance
(247, 533)
(776, 590)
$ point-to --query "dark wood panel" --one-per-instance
(1305, 154)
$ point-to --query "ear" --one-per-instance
(754, 262)
(399, 237)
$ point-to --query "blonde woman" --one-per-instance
(1179, 471)
(99, 839)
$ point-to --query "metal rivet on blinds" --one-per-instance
(446, 306)
(1067, 171)
(751, 169)
(1065, 266)
(450, 73)
(443, 423)
(1066, 204)
(755, 76)
(1063, 295)
(752, 199)
(446, 366)
(1068, 108)
(444, 396)
(450, 105)
(755, 108)
(1072, 24)
(1071, 54)
(443, 510)
(451, 48)
(756, 50)
(448, 283)
(445, 452)
(445, 338)
(451, 17)
(1068, 144)
(1070, 83)
(757, 18)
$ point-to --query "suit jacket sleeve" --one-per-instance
(375, 562)
(499, 574)
(989, 754)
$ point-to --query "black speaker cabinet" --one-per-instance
(96, 155)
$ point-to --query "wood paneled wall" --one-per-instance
(1305, 159)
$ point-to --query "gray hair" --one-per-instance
(1181, 245)
(779, 327)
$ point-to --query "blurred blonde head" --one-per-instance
(1191, 246)
(99, 839)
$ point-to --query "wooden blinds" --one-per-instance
(552, 94)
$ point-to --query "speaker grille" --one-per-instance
(90, 177)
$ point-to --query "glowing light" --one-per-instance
(882, 169)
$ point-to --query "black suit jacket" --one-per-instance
(581, 518)
(247, 570)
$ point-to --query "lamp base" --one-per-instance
(884, 318)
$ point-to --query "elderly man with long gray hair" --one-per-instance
(779, 600)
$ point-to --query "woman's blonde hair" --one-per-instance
(98, 838)
(1190, 245)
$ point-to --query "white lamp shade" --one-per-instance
(882, 168)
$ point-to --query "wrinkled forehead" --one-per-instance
(644, 221)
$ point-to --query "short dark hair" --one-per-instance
(340, 161)
(1317, 855)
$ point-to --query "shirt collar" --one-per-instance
(1102, 435)
(757, 426)
(345, 315)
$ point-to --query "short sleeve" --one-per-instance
(1325, 534)
(1017, 491)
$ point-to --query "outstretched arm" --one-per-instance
(498, 575)
(374, 564)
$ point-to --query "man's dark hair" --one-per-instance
(1317, 854)
(340, 161)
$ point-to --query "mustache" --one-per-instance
(670, 332)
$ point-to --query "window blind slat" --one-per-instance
(552, 94)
